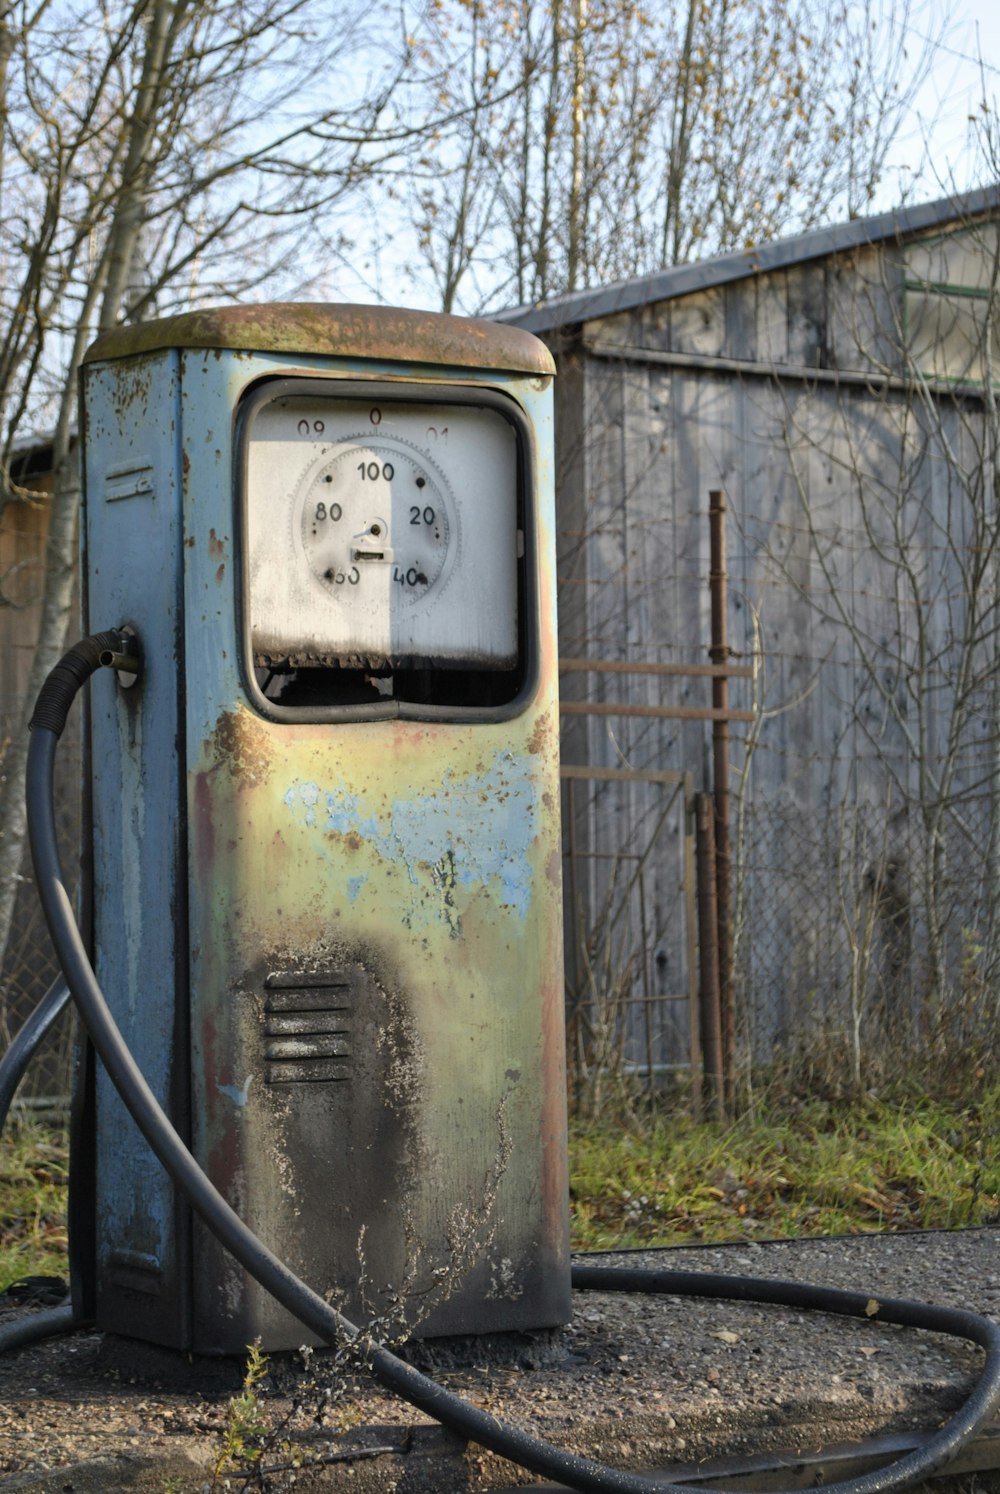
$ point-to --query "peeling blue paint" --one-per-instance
(354, 886)
(344, 815)
(480, 827)
(237, 1093)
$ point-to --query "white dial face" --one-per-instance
(381, 531)
(374, 516)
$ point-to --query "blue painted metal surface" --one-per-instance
(343, 939)
(133, 516)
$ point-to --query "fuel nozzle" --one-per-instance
(117, 649)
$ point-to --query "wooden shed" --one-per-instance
(838, 388)
(29, 964)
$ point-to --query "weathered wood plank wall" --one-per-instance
(22, 575)
(29, 965)
(788, 390)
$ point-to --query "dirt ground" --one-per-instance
(666, 1383)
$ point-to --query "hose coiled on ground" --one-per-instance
(331, 1326)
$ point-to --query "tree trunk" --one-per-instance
(107, 288)
(677, 155)
(575, 210)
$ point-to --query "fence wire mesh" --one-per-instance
(853, 945)
(631, 985)
(866, 937)
(29, 966)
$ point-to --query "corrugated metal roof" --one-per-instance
(681, 280)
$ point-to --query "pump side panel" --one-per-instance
(132, 555)
(376, 969)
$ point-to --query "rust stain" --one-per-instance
(554, 1169)
(216, 547)
(243, 747)
(185, 463)
(538, 740)
(220, 573)
(133, 388)
(208, 1047)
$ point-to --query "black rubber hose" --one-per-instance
(21, 1332)
(27, 1042)
(331, 1326)
(74, 669)
(115, 649)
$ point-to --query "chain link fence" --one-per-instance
(866, 942)
(629, 906)
(29, 966)
(857, 955)
(853, 955)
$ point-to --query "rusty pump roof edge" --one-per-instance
(347, 330)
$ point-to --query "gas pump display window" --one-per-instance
(384, 548)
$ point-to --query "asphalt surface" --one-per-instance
(764, 1397)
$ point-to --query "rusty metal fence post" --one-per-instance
(708, 952)
(707, 1031)
(719, 654)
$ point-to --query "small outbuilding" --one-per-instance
(839, 389)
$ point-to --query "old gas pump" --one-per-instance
(326, 900)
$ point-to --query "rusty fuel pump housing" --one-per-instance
(326, 910)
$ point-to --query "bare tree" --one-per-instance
(898, 485)
(595, 143)
(157, 154)
(453, 215)
(552, 106)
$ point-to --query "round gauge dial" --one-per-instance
(374, 519)
(382, 528)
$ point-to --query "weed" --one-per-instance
(247, 1434)
(261, 1440)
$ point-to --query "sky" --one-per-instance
(968, 30)
(932, 158)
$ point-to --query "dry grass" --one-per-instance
(815, 1167)
(34, 1162)
(809, 1167)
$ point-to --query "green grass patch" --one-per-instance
(33, 1172)
(816, 1167)
(822, 1168)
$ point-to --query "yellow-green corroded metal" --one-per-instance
(428, 857)
(398, 880)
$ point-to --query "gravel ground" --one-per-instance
(636, 1381)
